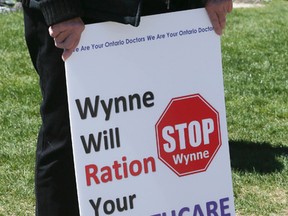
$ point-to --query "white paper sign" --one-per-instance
(148, 118)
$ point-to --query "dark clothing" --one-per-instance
(55, 11)
(55, 185)
(123, 11)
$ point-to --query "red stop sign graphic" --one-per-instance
(188, 134)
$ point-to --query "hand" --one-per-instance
(217, 11)
(67, 35)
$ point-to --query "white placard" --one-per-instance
(136, 151)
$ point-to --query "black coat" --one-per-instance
(123, 11)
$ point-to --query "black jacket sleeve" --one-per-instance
(55, 11)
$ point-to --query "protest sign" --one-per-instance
(148, 118)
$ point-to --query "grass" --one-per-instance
(256, 85)
(19, 99)
(255, 66)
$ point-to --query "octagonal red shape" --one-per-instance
(188, 134)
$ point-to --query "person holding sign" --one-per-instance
(53, 30)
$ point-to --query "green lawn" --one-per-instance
(255, 64)
(19, 121)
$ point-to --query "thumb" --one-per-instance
(66, 54)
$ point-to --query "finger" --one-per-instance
(68, 52)
(230, 6)
(222, 20)
(61, 37)
(215, 22)
(62, 40)
(67, 42)
(54, 31)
